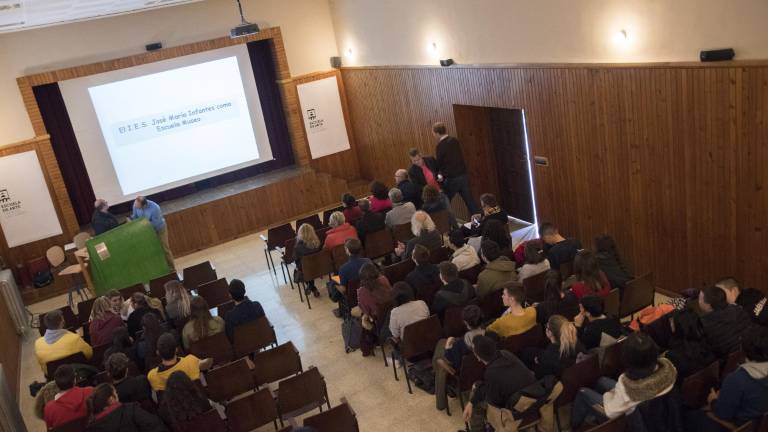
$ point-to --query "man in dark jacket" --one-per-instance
(102, 220)
(558, 249)
(592, 323)
(411, 191)
(369, 222)
(451, 167)
(454, 292)
(129, 388)
(752, 300)
(425, 275)
(423, 170)
(723, 323)
(244, 311)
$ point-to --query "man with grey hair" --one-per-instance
(102, 220)
(411, 191)
(401, 210)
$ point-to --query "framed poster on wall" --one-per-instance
(320, 103)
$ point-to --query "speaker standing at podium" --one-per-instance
(144, 208)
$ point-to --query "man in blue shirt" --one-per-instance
(144, 208)
(348, 272)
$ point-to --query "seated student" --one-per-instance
(535, 262)
(129, 388)
(752, 300)
(122, 343)
(244, 311)
(723, 323)
(504, 375)
(499, 270)
(557, 248)
(425, 232)
(491, 211)
(340, 231)
(743, 396)
(176, 300)
(146, 345)
(498, 232)
(182, 401)
(464, 255)
(609, 261)
(561, 352)
(375, 296)
(370, 222)
(516, 319)
(454, 291)
(116, 301)
(557, 301)
(58, 342)
(688, 350)
(69, 403)
(425, 274)
(646, 377)
(170, 363)
(407, 310)
(411, 191)
(589, 279)
(402, 210)
(433, 201)
(128, 306)
(307, 243)
(351, 210)
(379, 198)
(140, 308)
(108, 414)
(201, 324)
(595, 328)
(348, 272)
(103, 322)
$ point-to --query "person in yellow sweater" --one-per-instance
(57, 342)
(516, 319)
(170, 363)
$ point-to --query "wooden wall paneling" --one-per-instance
(10, 355)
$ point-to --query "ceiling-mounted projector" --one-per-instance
(244, 28)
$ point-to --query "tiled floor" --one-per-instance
(381, 403)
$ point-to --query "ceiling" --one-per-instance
(18, 15)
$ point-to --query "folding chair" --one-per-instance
(612, 364)
(253, 336)
(398, 271)
(127, 292)
(402, 232)
(209, 421)
(287, 258)
(198, 274)
(97, 360)
(533, 338)
(223, 308)
(302, 393)
(216, 347)
(442, 220)
(313, 266)
(582, 374)
(228, 381)
(453, 322)
(215, 293)
(275, 364)
(313, 220)
(696, 387)
(251, 412)
(76, 358)
(534, 288)
(340, 418)
(638, 294)
(471, 274)
(157, 285)
(436, 256)
(84, 309)
(461, 381)
(418, 339)
(276, 238)
(379, 244)
(339, 256)
(492, 305)
(612, 303)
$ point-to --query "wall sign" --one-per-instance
(323, 117)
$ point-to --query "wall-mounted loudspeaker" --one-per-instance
(446, 62)
(335, 62)
(154, 46)
(717, 55)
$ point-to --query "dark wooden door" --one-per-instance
(508, 136)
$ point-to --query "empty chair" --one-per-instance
(612, 364)
(80, 238)
(253, 336)
(402, 232)
(51, 366)
(442, 220)
(228, 381)
(313, 220)
(461, 381)
(275, 364)
(215, 346)
(55, 256)
(533, 338)
(215, 293)
(398, 271)
(313, 266)
(276, 238)
(612, 303)
(417, 339)
(379, 244)
(582, 374)
(339, 256)
(638, 294)
(534, 288)
(301, 393)
(696, 387)
(471, 274)
(157, 285)
(209, 421)
(198, 274)
(127, 292)
(252, 411)
(340, 418)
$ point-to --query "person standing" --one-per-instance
(451, 167)
(102, 220)
(144, 208)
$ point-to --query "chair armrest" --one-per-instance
(443, 364)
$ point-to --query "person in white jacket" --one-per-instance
(464, 255)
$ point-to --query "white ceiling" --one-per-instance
(18, 15)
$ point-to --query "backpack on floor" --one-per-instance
(351, 332)
(422, 375)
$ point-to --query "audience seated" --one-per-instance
(425, 274)
(557, 301)
(340, 231)
(723, 323)
(146, 346)
(350, 270)
(129, 306)
(423, 170)
(491, 211)
(646, 377)
(498, 232)
(379, 198)
(561, 352)
(499, 270)
(170, 363)
(454, 291)
(375, 296)
(201, 324)
(351, 210)
(411, 191)
(129, 388)
(140, 308)
(57, 342)
(407, 310)
(103, 322)
(688, 349)
(425, 232)
(70, 402)
(557, 248)
(594, 327)
(116, 301)
(307, 243)
(752, 300)
(122, 343)
(609, 261)
(108, 414)
(464, 255)
(535, 262)
(244, 311)
(182, 401)
(369, 222)
(433, 201)
(176, 301)
(589, 279)
(402, 210)
(516, 319)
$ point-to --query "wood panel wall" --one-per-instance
(10, 355)
(669, 158)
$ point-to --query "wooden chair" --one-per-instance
(287, 258)
(322, 233)
(98, 355)
(339, 256)
(695, 388)
(51, 366)
(442, 220)
(618, 424)
(253, 336)
(492, 305)
(471, 274)
(534, 338)
(612, 303)
(275, 239)
(302, 393)
(534, 288)
(223, 308)
(127, 292)
(402, 232)
(340, 418)
(398, 271)
(198, 274)
(613, 365)
(638, 294)
(313, 220)
(84, 309)
(453, 322)
(275, 364)
(418, 339)
(327, 214)
(228, 381)
(209, 421)
(566, 269)
(750, 426)
(379, 244)
(350, 295)
(313, 266)
(252, 411)
(582, 374)
(732, 362)
(216, 347)
(461, 381)
(436, 256)
(157, 285)
(77, 425)
(427, 292)
(215, 293)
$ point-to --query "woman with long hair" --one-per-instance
(307, 242)
(610, 262)
(561, 352)
(590, 280)
(557, 301)
(141, 307)
(688, 349)
(498, 231)
(177, 300)
(146, 347)
(375, 296)
(352, 211)
(182, 400)
(103, 322)
(107, 414)
(201, 323)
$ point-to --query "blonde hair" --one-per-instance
(564, 332)
(336, 219)
(101, 306)
(308, 235)
(175, 292)
(421, 221)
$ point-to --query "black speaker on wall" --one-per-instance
(335, 62)
(717, 55)
(154, 46)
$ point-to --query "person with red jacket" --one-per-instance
(69, 403)
(340, 231)
(590, 280)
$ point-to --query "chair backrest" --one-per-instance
(157, 285)
(275, 364)
(327, 214)
(470, 372)
(304, 392)
(339, 256)
(402, 232)
(97, 360)
(582, 374)
(535, 290)
(198, 274)
(277, 236)
(471, 274)
(77, 425)
(533, 338)
(215, 292)
(84, 309)
(288, 249)
(316, 265)
(618, 424)
(340, 418)
(566, 269)
(492, 305)
(223, 308)
(398, 271)
(613, 365)
(71, 321)
(436, 256)
(696, 387)
(51, 366)
(215, 346)
(253, 336)
(442, 219)
(55, 255)
(612, 303)
(637, 295)
(209, 421)
(228, 381)
(732, 362)
(80, 238)
(322, 233)
(420, 337)
(427, 292)
(379, 243)
(252, 411)
(453, 322)
(127, 292)
(350, 295)
(313, 220)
